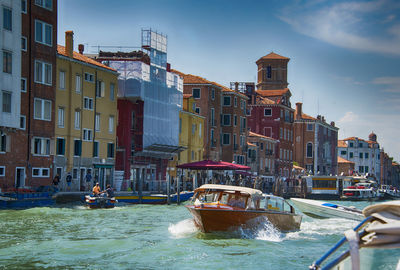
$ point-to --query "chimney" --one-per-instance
(332, 124)
(323, 119)
(69, 43)
(298, 110)
(81, 48)
(236, 86)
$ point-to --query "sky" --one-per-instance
(344, 55)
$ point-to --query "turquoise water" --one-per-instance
(155, 237)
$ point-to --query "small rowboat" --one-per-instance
(321, 209)
(100, 202)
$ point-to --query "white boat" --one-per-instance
(389, 192)
(321, 209)
(373, 244)
(360, 192)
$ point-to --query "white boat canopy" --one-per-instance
(250, 191)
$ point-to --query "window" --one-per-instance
(309, 127)
(77, 148)
(43, 33)
(60, 146)
(212, 117)
(100, 88)
(212, 138)
(193, 129)
(95, 149)
(226, 119)
(23, 6)
(110, 150)
(343, 152)
(97, 122)
(87, 134)
(2, 170)
(75, 173)
(43, 73)
(3, 143)
(361, 169)
(41, 146)
(7, 62)
(200, 130)
(351, 144)
(78, 83)
(180, 125)
(226, 138)
(6, 102)
(47, 4)
(269, 71)
(235, 102)
(366, 155)
(227, 101)
(89, 77)
(61, 112)
(360, 155)
(196, 93)
(267, 112)
(197, 110)
(24, 45)
(112, 91)
(360, 145)
(42, 109)
(281, 133)
(366, 169)
(111, 124)
(22, 122)
(88, 103)
(7, 18)
(351, 154)
(62, 79)
(309, 150)
(77, 123)
(23, 84)
(40, 172)
(212, 93)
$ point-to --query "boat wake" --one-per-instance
(183, 228)
(319, 227)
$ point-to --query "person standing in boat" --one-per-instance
(109, 191)
(96, 190)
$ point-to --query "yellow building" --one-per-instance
(191, 132)
(86, 119)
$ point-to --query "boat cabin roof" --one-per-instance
(250, 191)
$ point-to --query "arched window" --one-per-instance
(309, 150)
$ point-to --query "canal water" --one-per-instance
(157, 237)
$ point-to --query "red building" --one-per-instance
(270, 113)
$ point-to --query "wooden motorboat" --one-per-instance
(226, 208)
(321, 209)
(100, 201)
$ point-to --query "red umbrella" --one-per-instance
(206, 165)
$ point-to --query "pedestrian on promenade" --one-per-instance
(88, 178)
(56, 181)
(68, 179)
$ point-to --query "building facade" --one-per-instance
(233, 125)
(10, 92)
(270, 113)
(263, 161)
(315, 144)
(29, 159)
(86, 114)
(191, 132)
(365, 154)
(208, 96)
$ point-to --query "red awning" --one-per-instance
(212, 165)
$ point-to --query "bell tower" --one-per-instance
(272, 72)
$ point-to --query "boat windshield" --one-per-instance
(231, 198)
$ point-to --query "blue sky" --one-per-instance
(345, 55)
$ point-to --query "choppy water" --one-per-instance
(156, 237)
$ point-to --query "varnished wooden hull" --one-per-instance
(214, 219)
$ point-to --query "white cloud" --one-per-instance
(347, 25)
(349, 117)
(392, 84)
